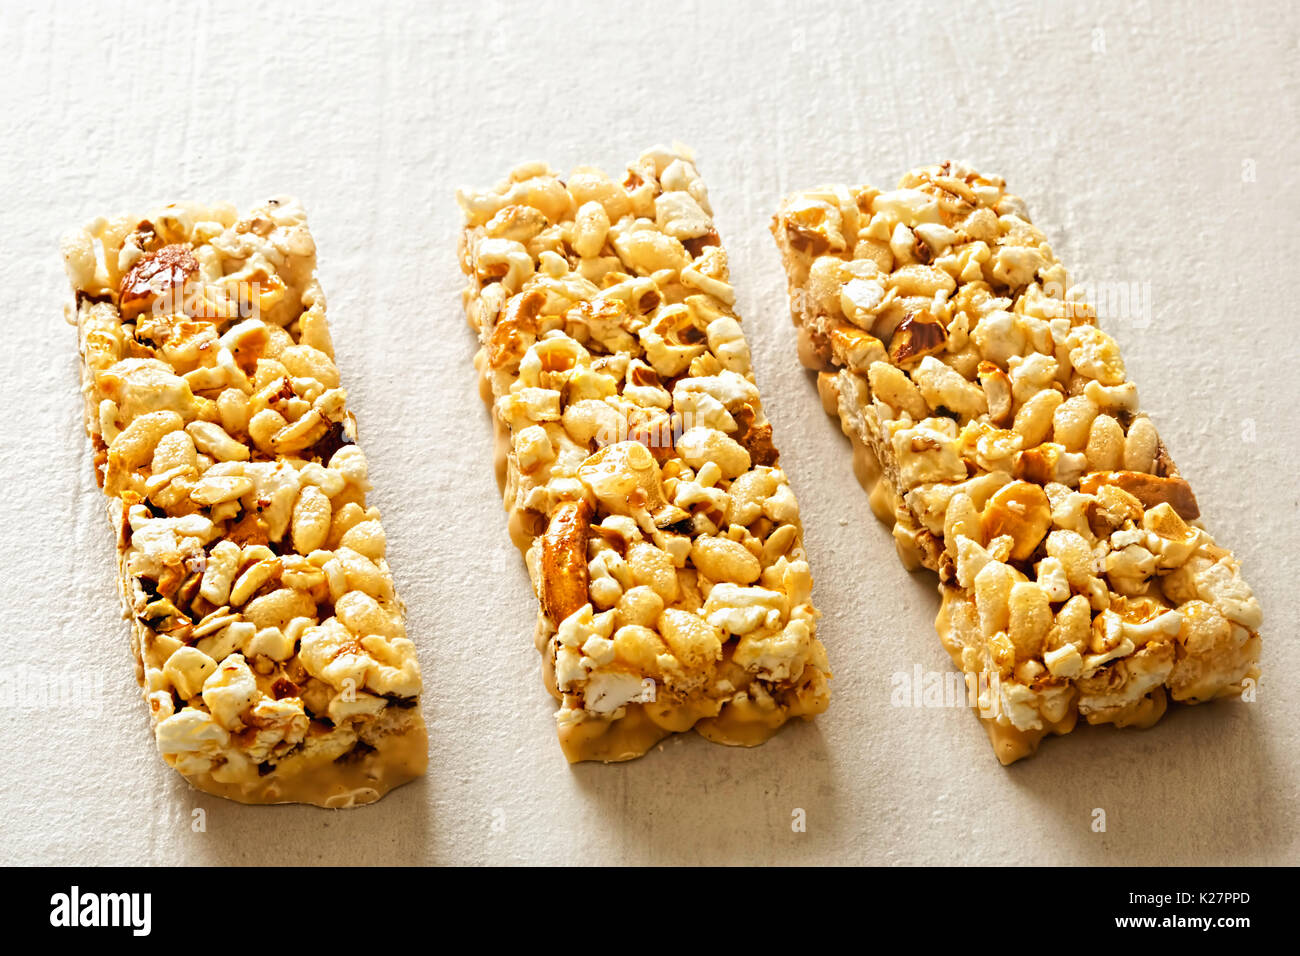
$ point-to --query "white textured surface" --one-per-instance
(1129, 128)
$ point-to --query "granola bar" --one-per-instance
(636, 463)
(997, 432)
(269, 643)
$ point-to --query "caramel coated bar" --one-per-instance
(638, 470)
(996, 429)
(269, 644)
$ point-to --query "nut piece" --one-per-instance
(918, 335)
(1020, 510)
(625, 478)
(156, 275)
(516, 331)
(564, 560)
(854, 348)
(997, 390)
(755, 439)
(699, 445)
(1151, 490)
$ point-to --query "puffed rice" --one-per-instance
(639, 473)
(267, 637)
(1079, 579)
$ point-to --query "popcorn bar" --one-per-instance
(997, 433)
(269, 642)
(662, 538)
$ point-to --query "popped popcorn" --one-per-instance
(252, 570)
(640, 476)
(996, 429)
